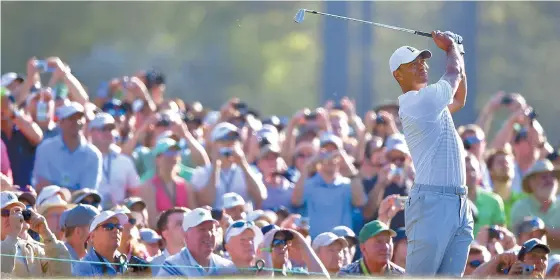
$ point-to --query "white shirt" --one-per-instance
(119, 175)
(230, 180)
(435, 146)
(183, 264)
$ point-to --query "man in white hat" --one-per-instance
(330, 250)
(105, 233)
(34, 259)
(68, 160)
(51, 202)
(234, 205)
(197, 258)
(541, 183)
(242, 239)
(438, 155)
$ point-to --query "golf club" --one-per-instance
(301, 14)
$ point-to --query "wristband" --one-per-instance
(269, 250)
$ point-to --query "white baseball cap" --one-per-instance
(10, 77)
(196, 217)
(222, 130)
(10, 198)
(330, 138)
(239, 226)
(404, 55)
(106, 215)
(69, 109)
(52, 196)
(101, 119)
(149, 236)
(326, 239)
(232, 199)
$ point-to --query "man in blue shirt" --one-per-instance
(105, 234)
(68, 160)
(75, 224)
(328, 196)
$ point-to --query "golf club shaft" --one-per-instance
(425, 34)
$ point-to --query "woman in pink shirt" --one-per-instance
(166, 189)
(5, 167)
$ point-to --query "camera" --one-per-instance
(495, 233)
(26, 215)
(527, 269)
(380, 120)
(138, 265)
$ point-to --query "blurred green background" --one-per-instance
(211, 51)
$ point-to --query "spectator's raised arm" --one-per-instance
(62, 72)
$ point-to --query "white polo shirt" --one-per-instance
(435, 146)
(119, 175)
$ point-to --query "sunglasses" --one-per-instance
(396, 159)
(475, 263)
(279, 243)
(111, 226)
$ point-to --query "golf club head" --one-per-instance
(299, 16)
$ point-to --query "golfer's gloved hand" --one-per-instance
(458, 39)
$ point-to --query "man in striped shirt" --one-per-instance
(438, 222)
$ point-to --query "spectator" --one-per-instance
(75, 224)
(199, 227)
(553, 267)
(21, 135)
(137, 206)
(51, 202)
(276, 177)
(166, 188)
(275, 248)
(534, 253)
(500, 164)
(234, 206)
(330, 249)
(87, 196)
(12, 81)
(5, 166)
(38, 258)
(170, 226)
(105, 235)
(328, 191)
(377, 248)
(529, 228)
(490, 205)
(119, 177)
(41, 107)
(151, 241)
(399, 247)
(478, 255)
(241, 240)
(228, 172)
(130, 244)
(474, 141)
(374, 160)
(350, 236)
(541, 184)
(68, 160)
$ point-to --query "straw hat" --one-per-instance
(541, 166)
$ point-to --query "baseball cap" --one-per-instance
(232, 199)
(9, 198)
(52, 196)
(326, 239)
(396, 146)
(400, 234)
(106, 215)
(163, 145)
(68, 110)
(268, 228)
(79, 195)
(530, 224)
(79, 216)
(134, 200)
(149, 236)
(344, 231)
(239, 226)
(196, 217)
(101, 120)
(224, 131)
(272, 148)
(9, 78)
(552, 261)
(404, 55)
(372, 229)
(330, 138)
(531, 245)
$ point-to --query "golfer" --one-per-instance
(438, 222)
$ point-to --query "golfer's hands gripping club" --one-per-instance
(444, 40)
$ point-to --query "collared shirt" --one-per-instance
(22, 156)
(75, 170)
(436, 148)
(490, 209)
(118, 176)
(183, 264)
(321, 198)
(71, 250)
(91, 266)
(158, 261)
(359, 268)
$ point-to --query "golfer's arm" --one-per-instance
(453, 69)
(460, 97)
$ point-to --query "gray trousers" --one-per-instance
(439, 230)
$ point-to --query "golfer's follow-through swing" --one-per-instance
(438, 220)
